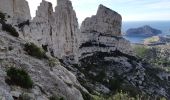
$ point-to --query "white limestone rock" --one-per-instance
(21, 11)
(48, 81)
(18, 10)
(66, 29)
(40, 29)
(102, 33)
(105, 21)
(6, 6)
(59, 30)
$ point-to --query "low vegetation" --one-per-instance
(125, 96)
(141, 51)
(24, 96)
(7, 27)
(10, 29)
(2, 16)
(53, 62)
(19, 77)
(56, 98)
(34, 50)
(156, 56)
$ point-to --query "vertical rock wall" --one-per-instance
(57, 30)
(18, 10)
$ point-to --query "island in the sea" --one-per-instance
(146, 31)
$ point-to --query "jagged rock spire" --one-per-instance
(63, 2)
(106, 21)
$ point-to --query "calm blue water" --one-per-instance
(164, 26)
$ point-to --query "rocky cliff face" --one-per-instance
(105, 61)
(66, 29)
(57, 30)
(105, 21)
(48, 81)
(40, 29)
(18, 10)
(102, 33)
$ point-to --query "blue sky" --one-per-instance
(131, 10)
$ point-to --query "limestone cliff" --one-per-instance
(57, 30)
(66, 29)
(102, 33)
(105, 21)
(48, 79)
(105, 61)
(40, 29)
(18, 10)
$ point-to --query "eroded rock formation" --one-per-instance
(105, 21)
(66, 29)
(18, 10)
(102, 33)
(57, 30)
(105, 61)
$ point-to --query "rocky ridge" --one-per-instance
(107, 60)
(104, 61)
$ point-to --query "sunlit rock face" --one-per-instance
(18, 10)
(57, 30)
(102, 33)
(6, 6)
(105, 21)
(21, 10)
(40, 29)
(66, 29)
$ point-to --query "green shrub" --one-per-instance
(56, 98)
(141, 51)
(19, 77)
(34, 50)
(53, 62)
(7, 27)
(122, 96)
(10, 29)
(2, 16)
(24, 97)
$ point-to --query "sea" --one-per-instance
(164, 26)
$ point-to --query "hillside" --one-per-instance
(51, 58)
(143, 31)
